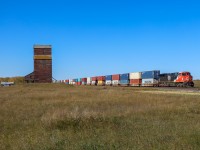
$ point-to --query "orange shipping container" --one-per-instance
(94, 78)
(136, 82)
(116, 77)
(101, 78)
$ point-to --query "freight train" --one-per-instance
(146, 78)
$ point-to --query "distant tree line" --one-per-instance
(12, 79)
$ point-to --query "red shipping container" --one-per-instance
(78, 83)
(66, 80)
(101, 78)
(94, 78)
(135, 81)
(84, 79)
(116, 77)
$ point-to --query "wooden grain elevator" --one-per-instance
(42, 65)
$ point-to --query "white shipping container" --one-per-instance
(88, 81)
(135, 75)
(70, 81)
(108, 82)
(115, 82)
(149, 82)
(93, 82)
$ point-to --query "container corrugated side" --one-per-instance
(135, 75)
(124, 82)
(149, 82)
(101, 83)
(89, 80)
(108, 77)
(135, 82)
(93, 83)
(84, 79)
(101, 78)
(151, 74)
(124, 76)
(83, 83)
(108, 82)
(115, 82)
(94, 78)
(116, 77)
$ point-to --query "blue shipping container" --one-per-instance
(124, 82)
(79, 79)
(109, 77)
(124, 76)
(151, 74)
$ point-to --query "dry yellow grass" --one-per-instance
(56, 116)
(197, 83)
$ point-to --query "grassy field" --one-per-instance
(56, 116)
(197, 83)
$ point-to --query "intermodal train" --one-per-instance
(147, 78)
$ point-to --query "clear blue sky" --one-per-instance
(101, 37)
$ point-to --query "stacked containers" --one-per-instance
(66, 81)
(84, 81)
(135, 78)
(124, 79)
(115, 79)
(79, 81)
(108, 80)
(89, 80)
(101, 80)
(70, 81)
(94, 81)
(150, 78)
(75, 81)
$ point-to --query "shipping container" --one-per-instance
(101, 78)
(83, 83)
(101, 83)
(116, 77)
(94, 78)
(94, 83)
(115, 82)
(135, 75)
(124, 82)
(79, 79)
(78, 83)
(135, 82)
(151, 74)
(89, 80)
(70, 81)
(108, 77)
(124, 76)
(109, 82)
(149, 82)
(84, 79)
